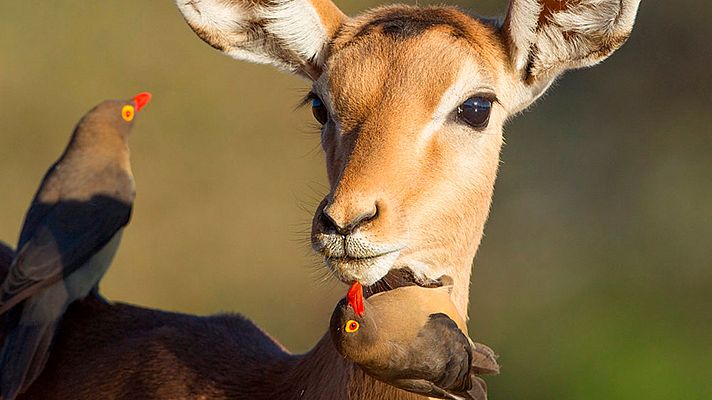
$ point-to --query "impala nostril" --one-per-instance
(348, 225)
(328, 222)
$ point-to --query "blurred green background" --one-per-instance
(594, 280)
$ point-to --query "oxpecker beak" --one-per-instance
(141, 99)
(355, 298)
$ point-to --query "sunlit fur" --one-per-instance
(394, 141)
(391, 80)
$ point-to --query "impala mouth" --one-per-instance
(356, 259)
(367, 269)
(361, 258)
(376, 273)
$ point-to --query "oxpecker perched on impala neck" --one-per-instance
(414, 339)
(70, 235)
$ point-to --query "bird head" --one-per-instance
(112, 117)
(353, 334)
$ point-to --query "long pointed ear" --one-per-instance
(547, 37)
(289, 34)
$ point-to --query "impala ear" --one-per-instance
(289, 34)
(547, 37)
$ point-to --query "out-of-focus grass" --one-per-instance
(594, 278)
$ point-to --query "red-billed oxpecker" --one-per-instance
(412, 338)
(70, 235)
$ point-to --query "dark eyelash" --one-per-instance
(487, 96)
(306, 99)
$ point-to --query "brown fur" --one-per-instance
(119, 351)
(6, 255)
(374, 156)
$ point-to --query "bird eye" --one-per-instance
(127, 113)
(475, 111)
(319, 110)
(351, 326)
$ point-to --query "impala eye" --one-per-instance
(319, 110)
(475, 111)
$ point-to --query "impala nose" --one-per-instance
(346, 222)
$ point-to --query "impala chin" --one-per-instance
(353, 257)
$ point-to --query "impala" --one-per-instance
(411, 102)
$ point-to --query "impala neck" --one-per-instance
(323, 374)
(466, 241)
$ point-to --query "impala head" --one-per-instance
(412, 102)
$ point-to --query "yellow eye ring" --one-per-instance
(127, 113)
(351, 326)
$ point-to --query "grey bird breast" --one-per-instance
(83, 280)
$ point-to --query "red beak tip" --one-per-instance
(141, 100)
(355, 298)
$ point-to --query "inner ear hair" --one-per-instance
(288, 34)
(547, 37)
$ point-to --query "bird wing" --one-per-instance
(442, 355)
(70, 233)
(45, 199)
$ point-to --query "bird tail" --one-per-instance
(24, 355)
(484, 359)
(479, 389)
